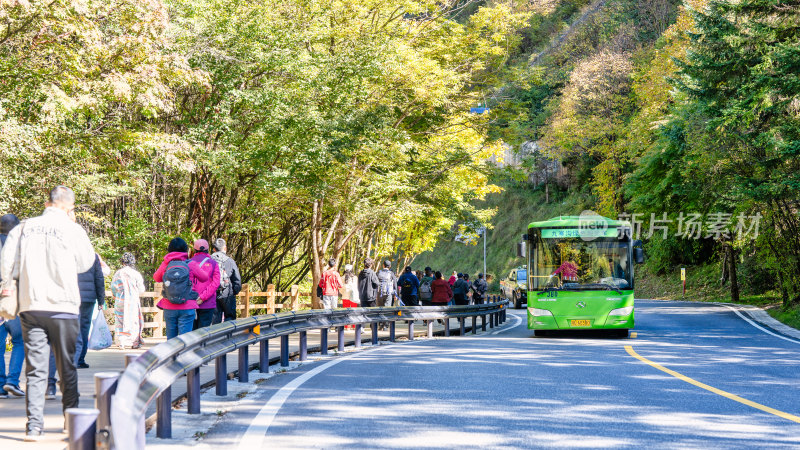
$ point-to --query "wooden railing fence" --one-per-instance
(247, 303)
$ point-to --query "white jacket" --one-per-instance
(53, 251)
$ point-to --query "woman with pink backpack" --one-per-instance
(179, 278)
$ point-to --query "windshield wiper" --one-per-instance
(607, 286)
(551, 289)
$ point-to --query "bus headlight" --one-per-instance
(536, 312)
(626, 311)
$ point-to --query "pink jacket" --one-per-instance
(195, 275)
(208, 288)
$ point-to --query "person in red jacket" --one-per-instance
(207, 290)
(330, 282)
(179, 318)
(441, 291)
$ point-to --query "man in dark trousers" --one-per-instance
(92, 286)
(368, 285)
(50, 251)
(479, 288)
(230, 283)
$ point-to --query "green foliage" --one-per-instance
(291, 128)
(517, 205)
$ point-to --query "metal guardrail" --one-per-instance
(118, 420)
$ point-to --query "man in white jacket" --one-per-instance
(46, 254)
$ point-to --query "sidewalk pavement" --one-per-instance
(12, 410)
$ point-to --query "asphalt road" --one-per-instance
(511, 390)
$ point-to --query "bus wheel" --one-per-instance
(540, 333)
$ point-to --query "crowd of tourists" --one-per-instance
(52, 293)
(384, 288)
(53, 289)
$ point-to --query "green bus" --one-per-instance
(580, 274)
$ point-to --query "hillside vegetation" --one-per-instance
(687, 115)
(516, 206)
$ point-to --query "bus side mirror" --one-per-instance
(522, 250)
(638, 252)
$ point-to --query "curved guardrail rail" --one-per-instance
(123, 402)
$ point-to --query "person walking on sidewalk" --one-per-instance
(460, 289)
(330, 282)
(479, 288)
(9, 381)
(230, 283)
(206, 290)
(409, 287)
(441, 291)
(351, 298)
(92, 287)
(368, 285)
(179, 311)
(48, 252)
(387, 290)
(126, 286)
(425, 290)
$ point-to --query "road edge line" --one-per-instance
(751, 322)
(717, 391)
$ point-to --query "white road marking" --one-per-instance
(517, 322)
(759, 326)
(253, 438)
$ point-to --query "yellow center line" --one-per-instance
(733, 397)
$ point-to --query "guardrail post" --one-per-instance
(221, 375)
(244, 364)
(392, 329)
(374, 327)
(158, 331)
(285, 351)
(474, 324)
(430, 329)
(461, 326)
(140, 432)
(358, 335)
(130, 357)
(323, 341)
(81, 427)
(263, 356)
(271, 299)
(246, 293)
(105, 384)
(294, 293)
(491, 320)
(193, 391)
(483, 322)
(303, 345)
(164, 414)
(410, 330)
(447, 327)
(340, 338)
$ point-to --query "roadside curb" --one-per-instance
(762, 317)
(753, 313)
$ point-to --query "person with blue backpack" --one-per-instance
(179, 277)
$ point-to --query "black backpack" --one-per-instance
(177, 284)
(407, 286)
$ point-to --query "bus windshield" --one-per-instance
(573, 263)
(522, 275)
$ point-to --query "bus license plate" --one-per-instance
(580, 323)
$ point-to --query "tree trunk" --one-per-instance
(724, 275)
(316, 256)
(732, 272)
